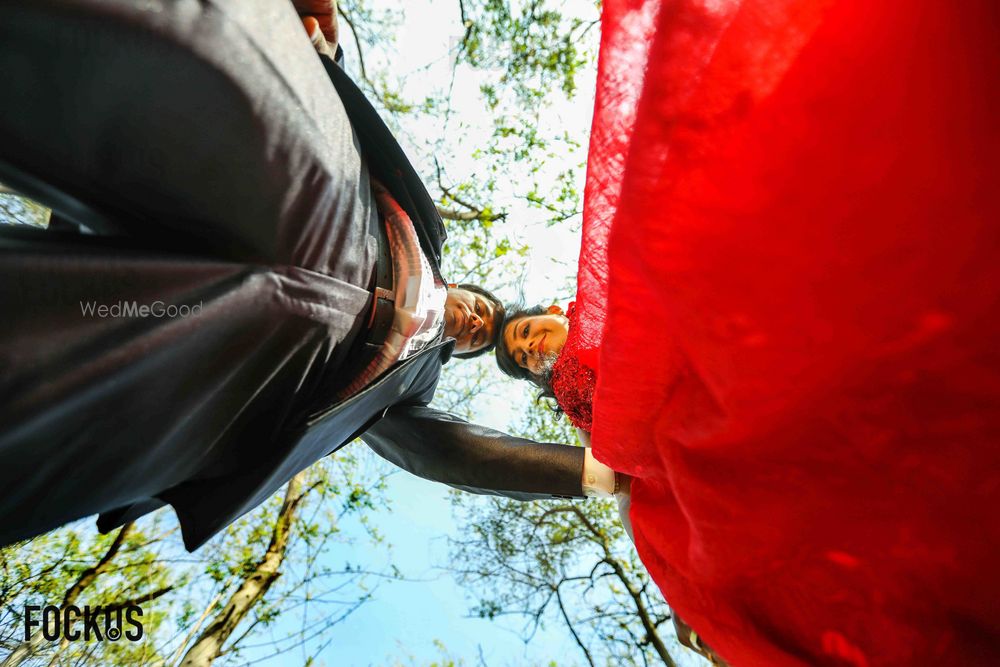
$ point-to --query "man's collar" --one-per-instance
(448, 348)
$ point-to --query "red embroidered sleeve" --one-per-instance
(573, 384)
(573, 381)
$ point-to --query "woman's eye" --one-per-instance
(525, 332)
(524, 359)
(479, 309)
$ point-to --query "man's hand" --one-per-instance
(623, 494)
(319, 18)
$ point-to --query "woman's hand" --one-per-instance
(319, 18)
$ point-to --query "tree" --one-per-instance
(231, 601)
(291, 578)
(500, 161)
(256, 581)
(73, 567)
(567, 562)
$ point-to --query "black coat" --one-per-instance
(223, 173)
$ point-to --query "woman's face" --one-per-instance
(534, 342)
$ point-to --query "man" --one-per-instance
(224, 327)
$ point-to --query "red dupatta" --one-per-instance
(790, 270)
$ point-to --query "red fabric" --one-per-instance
(792, 219)
(574, 375)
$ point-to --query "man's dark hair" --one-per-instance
(499, 313)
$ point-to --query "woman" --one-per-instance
(788, 290)
(535, 346)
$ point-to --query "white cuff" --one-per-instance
(598, 479)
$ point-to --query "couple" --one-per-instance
(549, 348)
(206, 155)
(802, 377)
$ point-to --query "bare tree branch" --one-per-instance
(472, 211)
(254, 586)
(572, 630)
(357, 44)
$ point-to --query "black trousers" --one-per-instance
(204, 143)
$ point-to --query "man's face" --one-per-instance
(468, 318)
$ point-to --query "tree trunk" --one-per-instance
(197, 625)
(652, 633)
(253, 587)
(26, 649)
